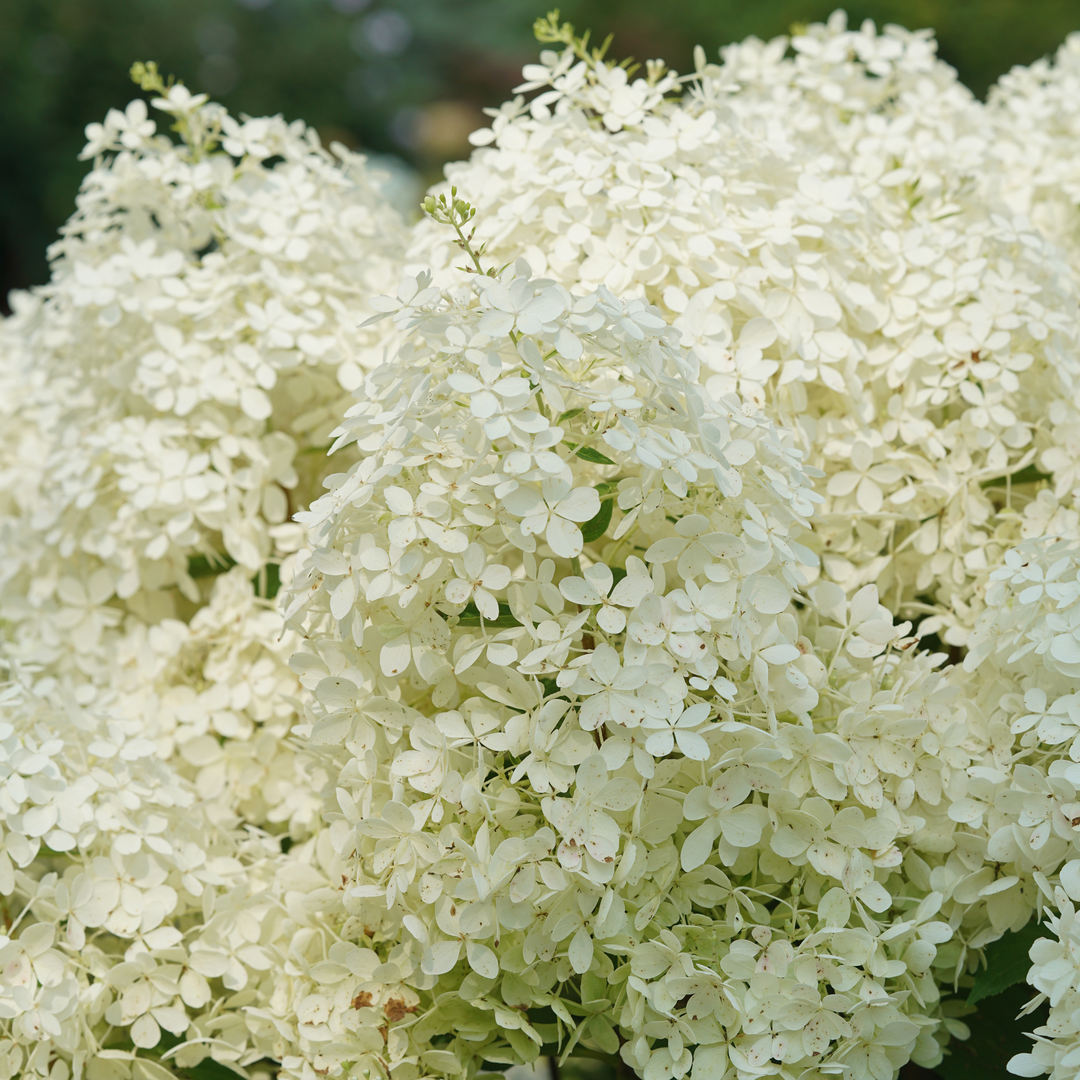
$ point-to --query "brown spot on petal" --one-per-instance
(396, 1008)
(362, 1000)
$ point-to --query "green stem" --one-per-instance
(465, 246)
(551, 1050)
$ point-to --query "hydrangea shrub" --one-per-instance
(620, 513)
(172, 381)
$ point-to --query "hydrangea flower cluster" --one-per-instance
(1038, 174)
(217, 696)
(594, 774)
(187, 356)
(810, 218)
(613, 732)
(120, 900)
(1028, 639)
(167, 402)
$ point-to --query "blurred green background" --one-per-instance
(402, 77)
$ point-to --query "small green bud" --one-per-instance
(147, 77)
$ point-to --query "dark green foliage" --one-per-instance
(200, 566)
(207, 1069)
(996, 1035)
(996, 1032)
(1007, 963)
(596, 526)
(267, 581)
(1029, 475)
(472, 617)
(587, 453)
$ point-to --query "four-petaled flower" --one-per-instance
(595, 587)
(556, 510)
(477, 579)
(420, 517)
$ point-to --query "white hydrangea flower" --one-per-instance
(218, 699)
(587, 756)
(131, 911)
(167, 401)
(173, 383)
(1022, 805)
(814, 222)
(1036, 120)
(610, 735)
(1035, 116)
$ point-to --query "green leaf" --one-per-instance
(570, 414)
(1029, 475)
(273, 581)
(200, 566)
(471, 617)
(596, 526)
(580, 1067)
(587, 453)
(209, 1069)
(550, 686)
(1007, 963)
(553, 1050)
(996, 1036)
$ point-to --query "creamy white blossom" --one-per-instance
(599, 764)
(129, 909)
(174, 383)
(167, 403)
(1024, 803)
(811, 214)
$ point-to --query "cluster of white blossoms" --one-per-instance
(597, 780)
(809, 215)
(217, 696)
(1035, 114)
(175, 382)
(1025, 805)
(165, 407)
(1035, 111)
(590, 714)
(141, 933)
(819, 229)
